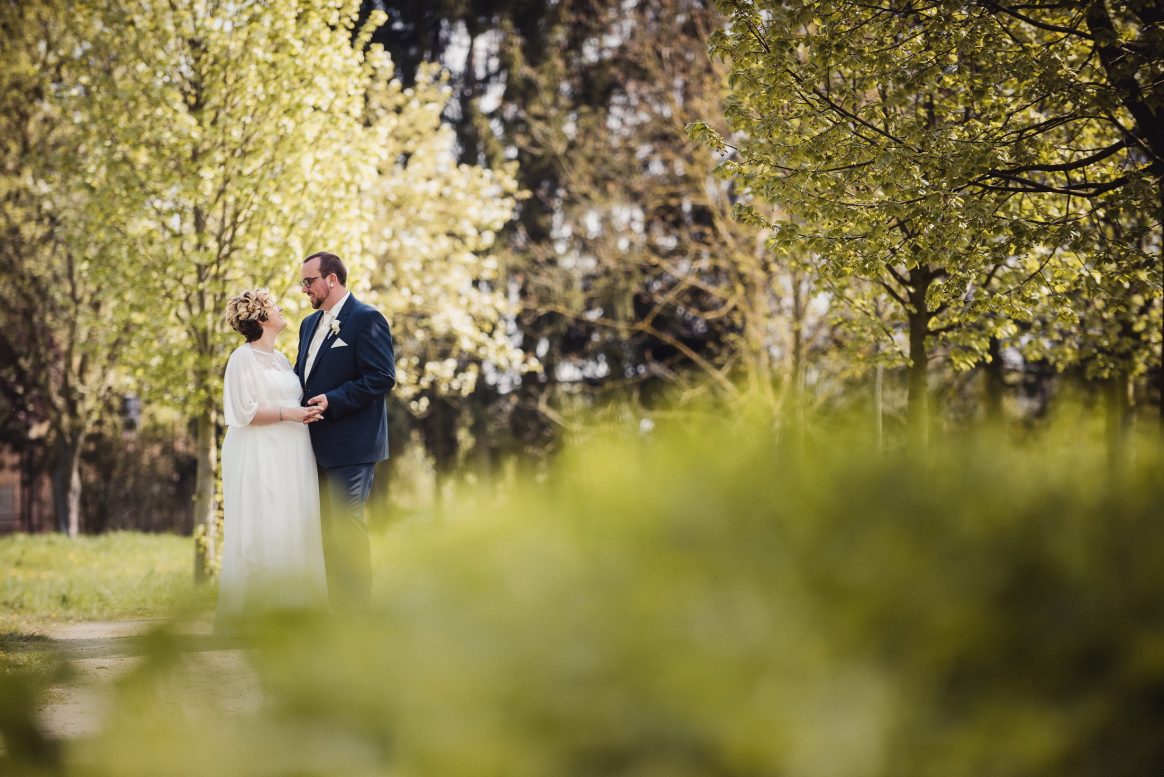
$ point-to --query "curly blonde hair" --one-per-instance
(247, 312)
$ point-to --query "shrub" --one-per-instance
(710, 602)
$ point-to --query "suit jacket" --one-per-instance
(356, 369)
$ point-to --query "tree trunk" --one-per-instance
(1118, 418)
(441, 433)
(918, 401)
(995, 386)
(1160, 270)
(27, 502)
(205, 512)
(440, 480)
(918, 409)
(481, 439)
(753, 283)
(798, 314)
(67, 482)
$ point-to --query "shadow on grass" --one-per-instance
(24, 643)
(30, 654)
(21, 651)
(28, 664)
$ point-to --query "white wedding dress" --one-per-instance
(272, 555)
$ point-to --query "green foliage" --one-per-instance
(72, 313)
(699, 132)
(232, 140)
(976, 166)
(429, 263)
(633, 277)
(210, 147)
(709, 601)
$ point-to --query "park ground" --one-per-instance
(77, 613)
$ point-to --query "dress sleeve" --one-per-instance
(240, 389)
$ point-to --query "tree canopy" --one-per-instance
(967, 162)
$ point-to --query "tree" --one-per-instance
(882, 131)
(1095, 68)
(635, 281)
(250, 135)
(231, 135)
(68, 314)
(430, 262)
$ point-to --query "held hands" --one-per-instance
(300, 415)
(318, 402)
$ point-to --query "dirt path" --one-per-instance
(101, 653)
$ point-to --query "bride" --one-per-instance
(272, 553)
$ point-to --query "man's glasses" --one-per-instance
(306, 282)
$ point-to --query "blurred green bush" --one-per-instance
(711, 601)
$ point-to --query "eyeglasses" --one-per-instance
(306, 282)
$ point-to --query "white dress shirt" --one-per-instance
(321, 332)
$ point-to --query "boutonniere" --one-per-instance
(335, 326)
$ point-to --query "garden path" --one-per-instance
(100, 653)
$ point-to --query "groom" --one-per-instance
(347, 367)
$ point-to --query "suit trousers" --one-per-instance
(347, 553)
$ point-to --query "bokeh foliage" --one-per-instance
(708, 599)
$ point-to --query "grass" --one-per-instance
(50, 579)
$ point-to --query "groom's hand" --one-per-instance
(319, 401)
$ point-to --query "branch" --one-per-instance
(755, 33)
(1065, 166)
(846, 113)
(1036, 23)
(941, 330)
(1027, 185)
(664, 337)
(1038, 271)
(893, 293)
(897, 276)
(1123, 79)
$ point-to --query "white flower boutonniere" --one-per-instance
(335, 326)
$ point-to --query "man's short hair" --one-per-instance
(328, 264)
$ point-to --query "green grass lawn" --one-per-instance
(49, 579)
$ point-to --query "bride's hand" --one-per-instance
(302, 415)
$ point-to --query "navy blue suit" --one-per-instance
(355, 368)
(356, 378)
